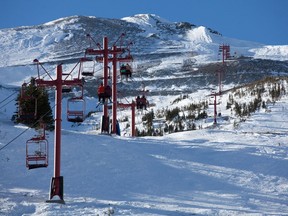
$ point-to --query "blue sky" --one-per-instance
(264, 21)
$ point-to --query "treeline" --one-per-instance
(243, 101)
(255, 93)
(176, 119)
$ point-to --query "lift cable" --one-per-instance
(124, 97)
(13, 99)
(25, 130)
(44, 74)
(8, 97)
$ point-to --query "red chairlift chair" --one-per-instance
(37, 152)
(76, 109)
(66, 89)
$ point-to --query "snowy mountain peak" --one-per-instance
(65, 39)
(64, 20)
(200, 35)
(145, 19)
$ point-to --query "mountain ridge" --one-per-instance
(66, 37)
(165, 53)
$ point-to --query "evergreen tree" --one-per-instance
(34, 107)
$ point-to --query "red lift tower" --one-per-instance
(57, 182)
(105, 59)
(225, 50)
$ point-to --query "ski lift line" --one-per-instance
(15, 138)
(13, 99)
(8, 98)
(72, 71)
(11, 141)
(119, 38)
(124, 97)
(91, 39)
(11, 96)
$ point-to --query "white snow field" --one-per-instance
(220, 171)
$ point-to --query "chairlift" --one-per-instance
(126, 70)
(76, 109)
(142, 102)
(66, 89)
(37, 152)
(87, 68)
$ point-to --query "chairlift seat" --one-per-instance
(87, 73)
(35, 166)
(36, 153)
(66, 89)
(76, 114)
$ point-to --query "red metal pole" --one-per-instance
(105, 117)
(58, 120)
(133, 118)
(57, 180)
(220, 80)
(105, 71)
(114, 91)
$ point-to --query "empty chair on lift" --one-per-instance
(66, 89)
(76, 109)
(37, 152)
(88, 69)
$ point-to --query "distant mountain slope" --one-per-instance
(65, 38)
(169, 57)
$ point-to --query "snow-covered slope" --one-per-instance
(221, 171)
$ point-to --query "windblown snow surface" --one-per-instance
(212, 171)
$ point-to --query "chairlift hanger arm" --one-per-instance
(91, 51)
(70, 73)
(128, 58)
(119, 38)
(128, 47)
(38, 70)
(91, 39)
